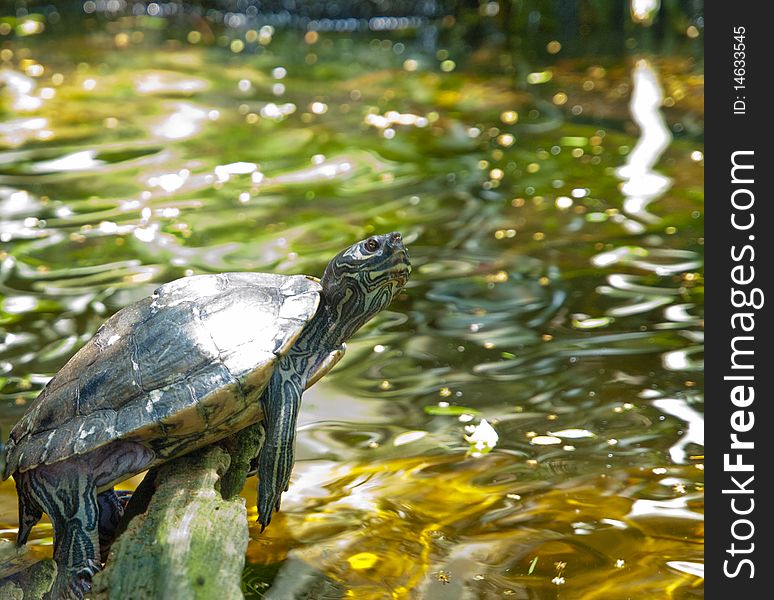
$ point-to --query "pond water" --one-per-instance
(526, 419)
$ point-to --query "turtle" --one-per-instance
(200, 359)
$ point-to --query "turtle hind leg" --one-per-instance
(30, 511)
(66, 492)
(112, 505)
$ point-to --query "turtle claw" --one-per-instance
(264, 513)
(264, 521)
(266, 509)
(78, 585)
(269, 496)
(275, 460)
(124, 496)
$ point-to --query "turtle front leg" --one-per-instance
(69, 497)
(281, 402)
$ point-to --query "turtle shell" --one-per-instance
(171, 371)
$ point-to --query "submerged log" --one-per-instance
(28, 583)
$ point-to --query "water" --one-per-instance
(526, 420)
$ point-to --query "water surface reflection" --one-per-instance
(526, 419)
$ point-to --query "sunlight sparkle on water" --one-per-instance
(694, 433)
(19, 304)
(277, 111)
(184, 122)
(161, 82)
(573, 434)
(676, 508)
(223, 172)
(643, 11)
(641, 184)
(169, 182)
(408, 437)
(545, 440)
(20, 88)
(15, 132)
(393, 117)
(692, 568)
(77, 161)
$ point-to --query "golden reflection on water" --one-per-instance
(389, 529)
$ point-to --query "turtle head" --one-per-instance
(363, 279)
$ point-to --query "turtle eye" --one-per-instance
(372, 245)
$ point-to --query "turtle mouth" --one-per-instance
(401, 268)
(401, 265)
(402, 277)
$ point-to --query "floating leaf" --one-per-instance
(450, 411)
(482, 439)
(532, 565)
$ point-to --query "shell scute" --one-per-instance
(231, 321)
(170, 344)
